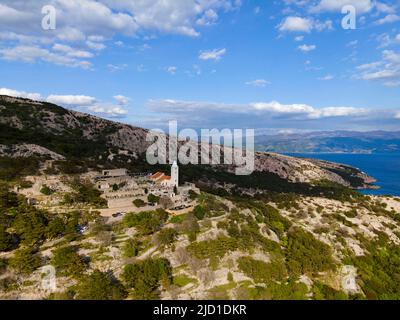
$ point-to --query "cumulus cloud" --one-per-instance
(81, 103)
(273, 114)
(86, 25)
(303, 25)
(122, 100)
(72, 100)
(296, 24)
(215, 54)
(361, 6)
(20, 94)
(390, 18)
(386, 70)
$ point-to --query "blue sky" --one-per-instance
(272, 65)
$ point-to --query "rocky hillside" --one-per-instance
(31, 128)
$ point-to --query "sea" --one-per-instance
(383, 167)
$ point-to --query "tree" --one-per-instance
(139, 203)
(68, 262)
(46, 190)
(151, 198)
(25, 261)
(199, 212)
(100, 286)
(193, 195)
(131, 248)
(146, 276)
(55, 228)
(166, 237)
(30, 225)
(166, 202)
(5, 239)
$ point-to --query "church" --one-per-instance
(167, 181)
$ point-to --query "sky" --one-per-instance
(273, 66)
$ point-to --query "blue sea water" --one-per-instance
(383, 167)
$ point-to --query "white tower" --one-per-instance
(175, 175)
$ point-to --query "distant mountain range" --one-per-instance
(331, 142)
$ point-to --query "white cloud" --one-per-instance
(122, 100)
(307, 48)
(397, 116)
(172, 70)
(71, 52)
(80, 102)
(210, 17)
(258, 83)
(108, 110)
(269, 109)
(72, 100)
(362, 6)
(34, 53)
(296, 24)
(387, 70)
(299, 38)
(215, 54)
(20, 94)
(87, 24)
(390, 18)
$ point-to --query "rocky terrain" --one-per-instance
(294, 229)
(38, 128)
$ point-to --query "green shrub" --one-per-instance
(100, 286)
(305, 254)
(68, 262)
(146, 276)
(25, 261)
(139, 203)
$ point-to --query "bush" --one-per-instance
(68, 262)
(151, 198)
(6, 240)
(166, 237)
(100, 286)
(25, 261)
(214, 248)
(146, 276)
(146, 222)
(139, 203)
(199, 212)
(261, 271)
(46, 190)
(131, 248)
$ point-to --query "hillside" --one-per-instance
(291, 230)
(30, 128)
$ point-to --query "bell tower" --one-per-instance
(175, 175)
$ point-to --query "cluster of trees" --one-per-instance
(305, 254)
(84, 192)
(379, 269)
(147, 222)
(68, 262)
(146, 276)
